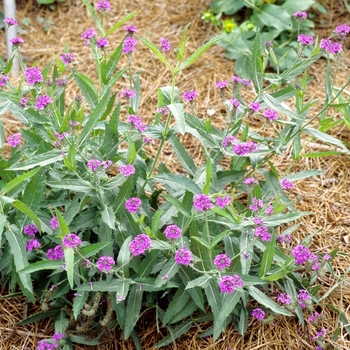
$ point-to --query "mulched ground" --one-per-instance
(327, 196)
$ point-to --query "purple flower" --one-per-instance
(301, 254)
(33, 75)
(132, 204)
(129, 44)
(61, 82)
(22, 102)
(320, 334)
(57, 336)
(103, 42)
(330, 46)
(166, 46)
(246, 82)
(42, 101)
(147, 139)
(229, 140)
(254, 106)
(342, 30)
(222, 261)
(250, 181)
(54, 223)
(3, 79)
(263, 233)
(32, 244)
(314, 316)
(183, 256)
(67, 58)
(137, 122)
(71, 240)
(305, 39)
(259, 314)
(285, 239)
(270, 114)
(140, 244)
(256, 204)
(236, 80)
(30, 230)
(10, 21)
(163, 110)
(316, 266)
(222, 202)
(221, 84)
(303, 295)
(172, 232)
(284, 298)
(190, 95)
(93, 164)
(244, 148)
(128, 94)
(287, 184)
(269, 210)
(56, 253)
(127, 170)
(228, 284)
(16, 41)
(131, 29)
(14, 140)
(258, 221)
(327, 257)
(103, 6)
(234, 102)
(45, 345)
(202, 202)
(88, 35)
(105, 263)
(300, 15)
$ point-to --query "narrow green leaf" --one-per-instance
(132, 311)
(177, 109)
(175, 333)
(199, 282)
(27, 211)
(3, 219)
(64, 229)
(124, 256)
(214, 297)
(42, 265)
(69, 259)
(94, 15)
(113, 62)
(78, 303)
(169, 270)
(39, 160)
(93, 249)
(177, 204)
(39, 316)
(2, 133)
(87, 88)
(178, 181)
(303, 174)
(75, 185)
(267, 257)
(108, 217)
(208, 175)
(177, 303)
(131, 150)
(17, 181)
(121, 22)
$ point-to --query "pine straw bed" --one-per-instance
(327, 196)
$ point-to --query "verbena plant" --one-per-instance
(273, 19)
(211, 243)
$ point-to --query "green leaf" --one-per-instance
(42, 265)
(303, 174)
(94, 15)
(321, 154)
(64, 229)
(275, 16)
(2, 133)
(267, 302)
(108, 217)
(113, 61)
(214, 297)
(124, 193)
(17, 181)
(342, 317)
(38, 316)
(87, 88)
(267, 257)
(177, 181)
(169, 270)
(255, 63)
(156, 51)
(121, 22)
(198, 53)
(177, 109)
(69, 259)
(75, 185)
(175, 333)
(176, 305)
(93, 249)
(27, 211)
(3, 219)
(131, 150)
(177, 204)
(78, 303)
(199, 282)
(124, 256)
(132, 311)
(94, 117)
(208, 175)
(39, 160)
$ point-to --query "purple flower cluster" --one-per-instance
(305, 39)
(254, 106)
(127, 170)
(244, 148)
(67, 58)
(342, 30)
(10, 21)
(94, 164)
(258, 313)
(202, 202)
(313, 318)
(258, 221)
(45, 345)
(56, 253)
(105, 263)
(3, 80)
(287, 184)
(71, 240)
(263, 233)
(102, 42)
(61, 82)
(132, 204)
(163, 110)
(140, 244)
(30, 230)
(183, 256)
(22, 102)
(238, 80)
(137, 122)
(270, 114)
(320, 334)
(14, 140)
(300, 15)
(129, 44)
(228, 284)
(130, 29)
(54, 223)
(42, 101)
(172, 232)
(103, 6)
(229, 140)
(222, 201)
(256, 204)
(284, 298)
(190, 95)
(221, 84)
(165, 43)
(304, 298)
(234, 102)
(32, 244)
(88, 35)
(222, 261)
(17, 41)
(33, 75)
(250, 181)
(301, 254)
(285, 239)
(130, 94)
(269, 210)
(330, 46)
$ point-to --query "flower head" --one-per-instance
(102, 42)
(263, 232)
(165, 43)
(259, 314)
(287, 184)
(132, 204)
(305, 39)
(103, 6)
(256, 204)
(3, 79)
(129, 44)
(42, 101)
(228, 284)
(93, 164)
(32, 244)
(202, 202)
(14, 140)
(183, 256)
(172, 232)
(61, 82)
(250, 181)
(88, 35)
(71, 240)
(300, 15)
(56, 253)
(190, 95)
(10, 21)
(54, 223)
(16, 41)
(223, 201)
(33, 75)
(342, 30)
(284, 298)
(163, 110)
(229, 140)
(234, 102)
(330, 46)
(128, 94)
(270, 114)
(254, 106)
(22, 102)
(244, 148)
(221, 84)
(130, 29)
(67, 58)
(30, 230)
(140, 244)
(127, 170)
(222, 261)
(301, 254)
(105, 263)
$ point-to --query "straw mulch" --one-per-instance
(327, 196)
